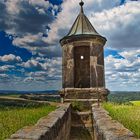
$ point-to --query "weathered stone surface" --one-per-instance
(55, 126)
(67, 66)
(100, 82)
(36, 133)
(78, 73)
(107, 129)
(85, 93)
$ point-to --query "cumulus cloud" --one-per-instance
(36, 27)
(120, 25)
(20, 17)
(36, 74)
(131, 55)
(10, 58)
(44, 68)
(28, 79)
(33, 64)
(37, 45)
(56, 61)
(4, 78)
(70, 9)
(28, 21)
(123, 72)
(107, 17)
(6, 68)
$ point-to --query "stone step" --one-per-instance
(82, 104)
(87, 126)
(82, 112)
(82, 120)
(78, 117)
(83, 123)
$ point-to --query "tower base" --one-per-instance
(85, 93)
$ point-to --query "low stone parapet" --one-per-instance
(105, 128)
(55, 126)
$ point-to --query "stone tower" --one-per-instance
(83, 61)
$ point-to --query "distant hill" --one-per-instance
(124, 96)
(114, 96)
(8, 92)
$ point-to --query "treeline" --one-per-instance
(122, 97)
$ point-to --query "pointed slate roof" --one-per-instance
(81, 29)
(82, 25)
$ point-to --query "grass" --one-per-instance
(13, 118)
(136, 103)
(78, 106)
(128, 115)
(10, 95)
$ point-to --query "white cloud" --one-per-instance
(4, 78)
(123, 74)
(120, 25)
(33, 64)
(12, 6)
(107, 17)
(25, 16)
(28, 41)
(70, 9)
(45, 69)
(10, 58)
(41, 3)
(28, 79)
(6, 68)
(131, 54)
(41, 63)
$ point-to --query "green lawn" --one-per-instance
(128, 115)
(14, 118)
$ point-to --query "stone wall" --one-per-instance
(107, 129)
(55, 126)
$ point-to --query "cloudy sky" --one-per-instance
(30, 54)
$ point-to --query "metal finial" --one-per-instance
(81, 4)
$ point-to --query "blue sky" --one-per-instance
(30, 30)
